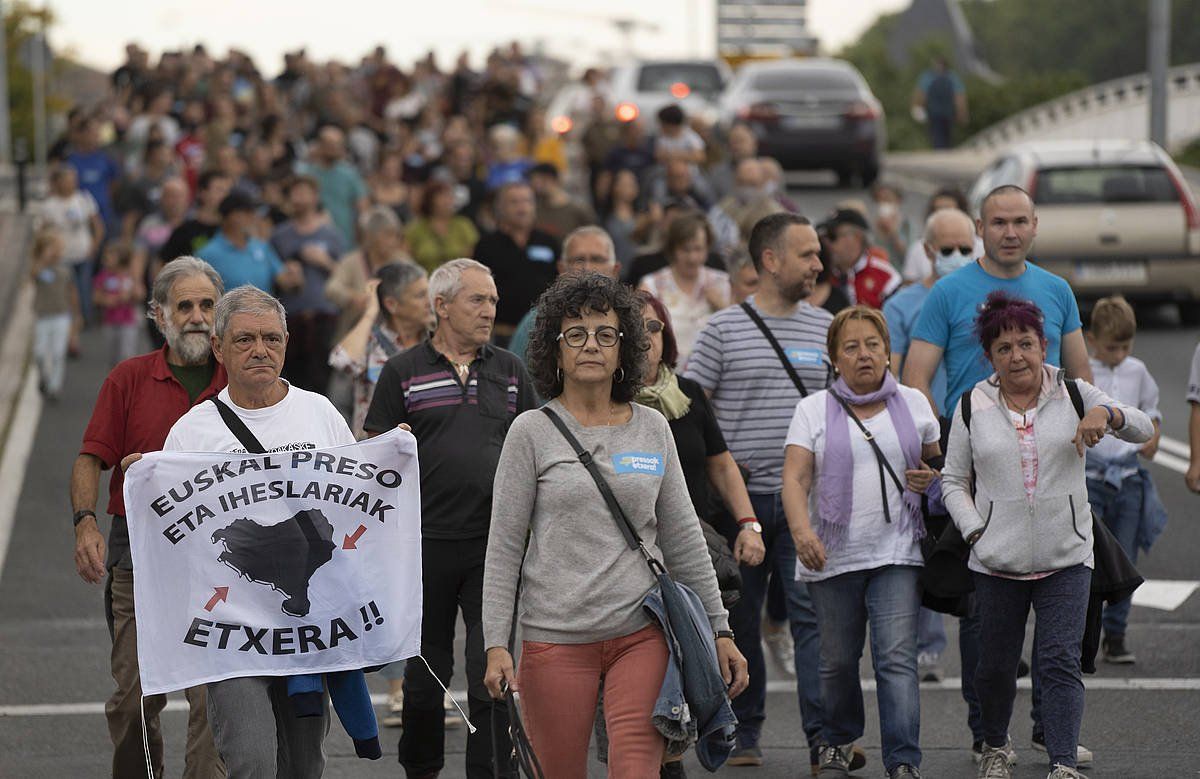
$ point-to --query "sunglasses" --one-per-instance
(654, 327)
(946, 251)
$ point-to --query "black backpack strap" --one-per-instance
(965, 405)
(880, 459)
(238, 427)
(1076, 398)
(623, 523)
(783, 358)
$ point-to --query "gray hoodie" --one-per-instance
(1055, 531)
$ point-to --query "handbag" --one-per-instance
(703, 688)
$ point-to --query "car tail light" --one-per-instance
(861, 110)
(1191, 213)
(626, 112)
(680, 90)
(759, 112)
(1031, 185)
(561, 124)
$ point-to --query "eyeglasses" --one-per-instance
(946, 251)
(654, 327)
(576, 337)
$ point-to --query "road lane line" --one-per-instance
(16, 455)
(1167, 460)
(949, 684)
(1163, 594)
(1172, 446)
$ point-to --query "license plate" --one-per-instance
(1126, 272)
(811, 122)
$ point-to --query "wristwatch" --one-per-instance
(723, 634)
(83, 514)
(750, 523)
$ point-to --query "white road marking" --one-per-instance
(1163, 594)
(1168, 460)
(16, 455)
(1172, 446)
(951, 684)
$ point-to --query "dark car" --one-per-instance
(810, 114)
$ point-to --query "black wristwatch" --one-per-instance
(82, 514)
(723, 634)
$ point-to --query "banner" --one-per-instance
(275, 564)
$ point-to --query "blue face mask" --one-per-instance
(948, 264)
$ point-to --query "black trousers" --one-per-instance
(453, 580)
(306, 362)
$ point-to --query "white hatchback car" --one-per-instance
(1113, 216)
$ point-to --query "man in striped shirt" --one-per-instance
(459, 394)
(754, 397)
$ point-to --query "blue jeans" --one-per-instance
(745, 618)
(888, 599)
(931, 633)
(1121, 511)
(84, 273)
(1060, 604)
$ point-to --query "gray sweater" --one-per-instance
(1055, 531)
(580, 582)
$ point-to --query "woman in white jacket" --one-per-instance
(1028, 522)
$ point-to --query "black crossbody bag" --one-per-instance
(771, 339)
(238, 427)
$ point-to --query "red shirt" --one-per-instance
(139, 402)
(872, 280)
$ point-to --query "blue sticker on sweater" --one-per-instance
(638, 462)
(540, 253)
(801, 356)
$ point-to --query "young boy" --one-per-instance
(1119, 487)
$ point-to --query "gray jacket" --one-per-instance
(1053, 533)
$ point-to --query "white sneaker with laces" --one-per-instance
(994, 764)
(1064, 772)
(1083, 755)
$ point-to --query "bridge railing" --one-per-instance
(1127, 92)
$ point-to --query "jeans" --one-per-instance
(51, 334)
(931, 633)
(452, 579)
(560, 685)
(85, 271)
(1121, 511)
(259, 735)
(1060, 604)
(888, 599)
(745, 618)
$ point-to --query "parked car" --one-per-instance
(640, 89)
(1113, 216)
(810, 113)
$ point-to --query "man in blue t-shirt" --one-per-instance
(240, 258)
(98, 172)
(945, 330)
(941, 95)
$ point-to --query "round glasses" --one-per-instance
(653, 326)
(576, 337)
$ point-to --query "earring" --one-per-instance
(619, 375)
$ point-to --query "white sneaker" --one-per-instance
(929, 667)
(1083, 755)
(394, 717)
(1009, 751)
(778, 640)
(453, 718)
(994, 764)
(1063, 772)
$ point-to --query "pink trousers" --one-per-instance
(559, 686)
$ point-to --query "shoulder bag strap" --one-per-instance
(783, 358)
(623, 523)
(880, 460)
(1076, 398)
(387, 344)
(965, 405)
(238, 427)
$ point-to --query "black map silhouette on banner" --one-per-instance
(283, 556)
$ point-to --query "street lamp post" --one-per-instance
(1158, 53)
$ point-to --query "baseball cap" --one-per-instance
(237, 201)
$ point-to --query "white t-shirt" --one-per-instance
(302, 420)
(73, 217)
(871, 542)
(689, 311)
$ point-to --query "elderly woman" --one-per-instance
(397, 317)
(382, 244)
(853, 474)
(581, 587)
(691, 291)
(1028, 521)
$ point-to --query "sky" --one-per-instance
(583, 33)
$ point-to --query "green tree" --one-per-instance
(21, 24)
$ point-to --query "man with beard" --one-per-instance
(139, 401)
(737, 360)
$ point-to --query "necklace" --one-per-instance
(1012, 404)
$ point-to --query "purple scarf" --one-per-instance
(835, 493)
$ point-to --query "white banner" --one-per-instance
(275, 564)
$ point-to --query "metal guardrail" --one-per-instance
(1125, 91)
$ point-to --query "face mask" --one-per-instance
(948, 264)
(888, 210)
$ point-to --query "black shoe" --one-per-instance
(1116, 652)
(750, 756)
(1022, 668)
(672, 770)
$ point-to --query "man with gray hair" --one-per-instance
(139, 401)
(255, 727)
(460, 394)
(587, 249)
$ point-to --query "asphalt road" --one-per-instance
(1140, 720)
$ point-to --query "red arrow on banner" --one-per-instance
(219, 594)
(353, 538)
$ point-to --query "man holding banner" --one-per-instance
(137, 405)
(279, 569)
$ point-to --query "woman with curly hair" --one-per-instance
(581, 587)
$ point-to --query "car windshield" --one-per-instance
(1104, 184)
(698, 77)
(806, 79)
